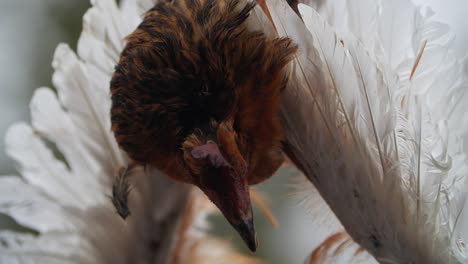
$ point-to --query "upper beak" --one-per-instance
(230, 193)
(228, 189)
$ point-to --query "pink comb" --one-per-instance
(212, 152)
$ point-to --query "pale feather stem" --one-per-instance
(309, 85)
(397, 150)
(115, 159)
(314, 96)
(406, 103)
(65, 186)
(116, 28)
(114, 56)
(418, 178)
(114, 60)
(413, 71)
(418, 60)
(419, 117)
(374, 129)
(395, 141)
(260, 21)
(348, 121)
(437, 207)
(112, 46)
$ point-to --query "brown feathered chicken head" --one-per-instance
(197, 94)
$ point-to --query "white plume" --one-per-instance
(373, 115)
(66, 200)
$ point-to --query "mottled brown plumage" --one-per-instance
(197, 95)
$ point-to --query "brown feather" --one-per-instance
(193, 73)
(191, 62)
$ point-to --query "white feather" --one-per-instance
(85, 94)
(70, 201)
(378, 153)
(40, 168)
(30, 207)
(52, 247)
(50, 120)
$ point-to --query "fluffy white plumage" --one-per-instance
(68, 203)
(378, 131)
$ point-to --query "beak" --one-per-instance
(229, 191)
(246, 230)
(239, 215)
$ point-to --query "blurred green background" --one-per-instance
(31, 29)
